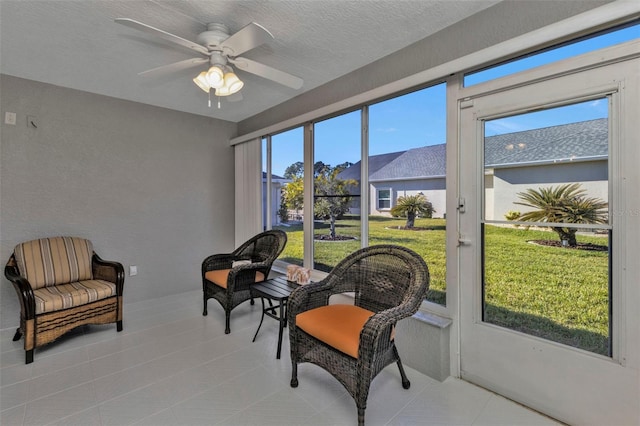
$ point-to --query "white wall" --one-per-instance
(148, 186)
(507, 183)
(433, 189)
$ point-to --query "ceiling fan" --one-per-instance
(220, 50)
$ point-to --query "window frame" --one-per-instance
(378, 199)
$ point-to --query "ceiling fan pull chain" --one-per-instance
(209, 99)
(218, 102)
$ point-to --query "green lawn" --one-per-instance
(556, 293)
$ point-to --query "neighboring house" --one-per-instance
(277, 183)
(376, 162)
(575, 152)
(419, 170)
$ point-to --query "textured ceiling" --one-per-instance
(76, 44)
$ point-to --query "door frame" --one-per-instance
(622, 387)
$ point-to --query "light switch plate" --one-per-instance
(10, 118)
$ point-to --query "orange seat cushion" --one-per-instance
(338, 326)
(219, 277)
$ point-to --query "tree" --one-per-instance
(319, 168)
(566, 203)
(293, 193)
(283, 211)
(411, 206)
(332, 195)
(294, 171)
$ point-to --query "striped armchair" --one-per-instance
(62, 284)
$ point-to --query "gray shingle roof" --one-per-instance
(273, 176)
(376, 162)
(574, 141)
(418, 162)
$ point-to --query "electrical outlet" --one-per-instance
(10, 118)
(133, 270)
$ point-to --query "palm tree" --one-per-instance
(411, 206)
(562, 204)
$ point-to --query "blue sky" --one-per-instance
(418, 118)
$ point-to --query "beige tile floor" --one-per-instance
(172, 366)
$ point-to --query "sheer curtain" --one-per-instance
(248, 190)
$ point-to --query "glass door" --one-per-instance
(544, 312)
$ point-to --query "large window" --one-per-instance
(407, 168)
(286, 154)
(401, 201)
(336, 189)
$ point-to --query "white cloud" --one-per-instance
(498, 127)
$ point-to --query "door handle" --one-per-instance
(463, 242)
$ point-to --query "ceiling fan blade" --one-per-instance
(250, 36)
(176, 66)
(267, 72)
(163, 34)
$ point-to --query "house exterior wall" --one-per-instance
(503, 187)
(434, 189)
(276, 190)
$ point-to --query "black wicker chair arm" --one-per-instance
(308, 296)
(218, 261)
(376, 332)
(22, 287)
(109, 271)
(244, 275)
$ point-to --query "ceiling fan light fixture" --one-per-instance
(202, 82)
(223, 91)
(215, 77)
(232, 82)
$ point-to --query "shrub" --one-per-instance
(283, 212)
(412, 206)
(396, 212)
(563, 204)
(512, 215)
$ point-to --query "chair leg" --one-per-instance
(18, 335)
(360, 416)
(406, 384)
(204, 312)
(29, 356)
(294, 375)
(119, 326)
(227, 322)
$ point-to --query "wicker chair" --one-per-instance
(62, 284)
(228, 277)
(355, 342)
